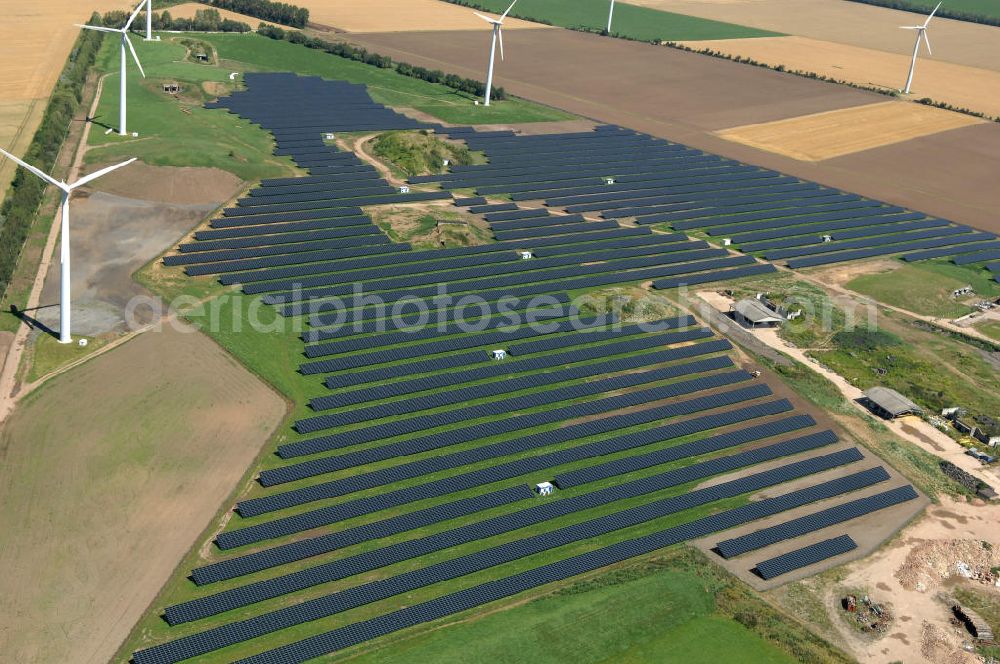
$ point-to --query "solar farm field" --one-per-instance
(630, 20)
(173, 134)
(402, 494)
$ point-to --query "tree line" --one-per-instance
(24, 197)
(460, 83)
(277, 12)
(205, 20)
(944, 12)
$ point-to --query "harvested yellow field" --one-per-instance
(850, 23)
(400, 16)
(958, 85)
(836, 133)
(35, 39)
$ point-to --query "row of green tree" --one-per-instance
(205, 20)
(467, 85)
(277, 12)
(944, 11)
(26, 191)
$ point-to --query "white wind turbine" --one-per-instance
(65, 336)
(497, 36)
(921, 32)
(126, 44)
(611, 13)
(149, 20)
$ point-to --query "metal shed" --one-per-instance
(888, 403)
(755, 314)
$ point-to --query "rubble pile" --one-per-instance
(932, 561)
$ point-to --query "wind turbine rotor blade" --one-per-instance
(500, 37)
(104, 171)
(134, 56)
(485, 18)
(504, 15)
(928, 42)
(131, 18)
(100, 28)
(45, 176)
(932, 14)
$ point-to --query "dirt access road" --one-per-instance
(910, 428)
(686, 97)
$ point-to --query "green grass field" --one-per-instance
(179, 132)
(925, 287)
(630, 21)
(666, 616)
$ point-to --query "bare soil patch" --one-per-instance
(114, 235)
(915, 573)
(958, 85)
(836, 133)
(100, 504)
(167, 184)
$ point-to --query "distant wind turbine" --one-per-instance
(126, 44)
(921, 32)
(611, 13)
(497, 36)
(65, 336)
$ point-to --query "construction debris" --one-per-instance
(868, 614)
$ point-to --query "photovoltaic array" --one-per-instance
(412, 470)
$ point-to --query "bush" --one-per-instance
(26, 191)
(467, 85)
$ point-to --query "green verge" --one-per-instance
(925, 288)
(678, 607)
(630, 21)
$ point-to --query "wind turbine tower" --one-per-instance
(149, 20)
(65, 335)
(125, 45)
(921, 32)
(497, 36)
(611, 13)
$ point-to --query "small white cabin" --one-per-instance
(499, 354)
(544, 488)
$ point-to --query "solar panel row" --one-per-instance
(807, 555)
(811, 522)
(214, 639)
(368, 561)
